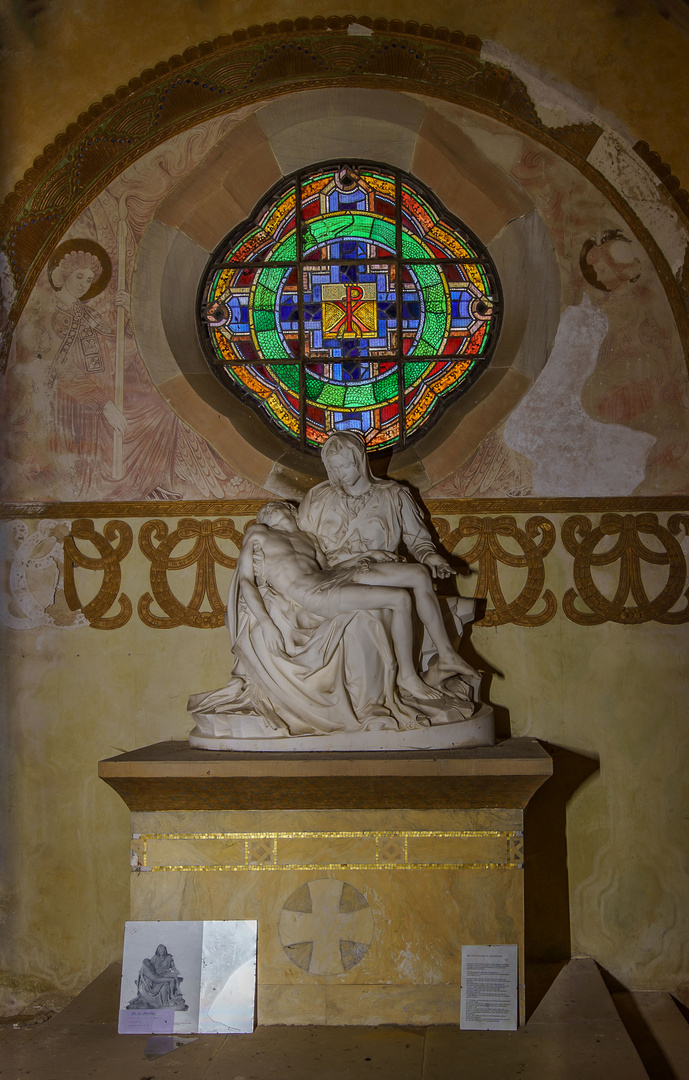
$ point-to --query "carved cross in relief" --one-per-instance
(326, 927)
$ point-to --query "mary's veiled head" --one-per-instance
(345, 460)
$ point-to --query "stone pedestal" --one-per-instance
(366, 872)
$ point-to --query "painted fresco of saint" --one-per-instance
(67, 357)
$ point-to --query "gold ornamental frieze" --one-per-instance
(524, 560)
(112, 545)
(629, 553)
(488, 553)
(158, 545)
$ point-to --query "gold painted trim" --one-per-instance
(229, 507)
(331, 866)
(142, 509)
(357, 834)
(533, 504)
(513, 860)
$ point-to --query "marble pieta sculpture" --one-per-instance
(323, 615)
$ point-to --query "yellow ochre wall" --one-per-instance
(613, 694)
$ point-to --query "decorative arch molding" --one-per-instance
(268, 61)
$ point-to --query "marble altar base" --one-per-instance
(366, 873)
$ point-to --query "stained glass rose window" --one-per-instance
(350, 300)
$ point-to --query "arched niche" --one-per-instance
(271, 140)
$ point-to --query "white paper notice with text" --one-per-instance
(490, 978)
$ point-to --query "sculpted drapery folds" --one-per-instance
(352, 512)
(320, 616)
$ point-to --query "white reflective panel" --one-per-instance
(187, 977)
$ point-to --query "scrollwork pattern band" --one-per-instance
(629, 550)
(489, 553)
(627, 568)
(113, 545)
(204, 554)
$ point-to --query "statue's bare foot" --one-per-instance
(418, 689)
(452, 663)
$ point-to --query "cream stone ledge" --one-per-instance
(173, 776)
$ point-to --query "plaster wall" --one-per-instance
(589, 366)
(613, 376)
(612, 696)
(623, 60)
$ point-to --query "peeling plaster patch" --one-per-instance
(33, 566)
(557, 104)
(358, 30)
(637, 184)
(572, 454)
(407, 963)
(410, 963)
(7, 289)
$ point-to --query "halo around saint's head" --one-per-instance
(86, 252)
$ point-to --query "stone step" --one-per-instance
(659, 1031)
(575, 1033)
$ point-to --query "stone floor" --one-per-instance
(580, 1030)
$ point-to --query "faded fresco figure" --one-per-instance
(158, 984)
(62, 441)
(82, 375)
(80, 372)
(64, 370)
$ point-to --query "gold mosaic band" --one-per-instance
(350, 850)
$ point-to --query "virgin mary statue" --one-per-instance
(339, 675)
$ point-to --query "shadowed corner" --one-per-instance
(547, 936)
(646, 1045)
